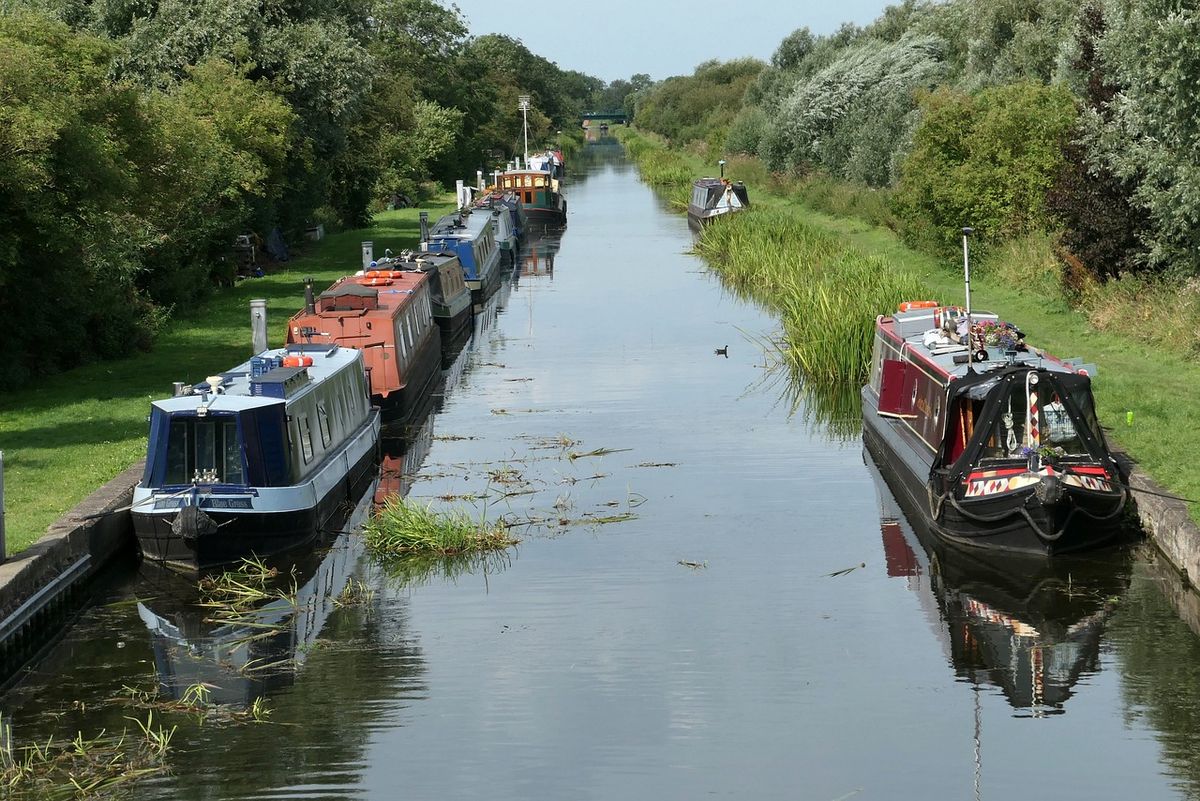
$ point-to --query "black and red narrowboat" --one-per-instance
(996, 443)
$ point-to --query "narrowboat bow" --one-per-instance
(996, 443)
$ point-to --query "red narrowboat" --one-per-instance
(387, 315)
(996, 443)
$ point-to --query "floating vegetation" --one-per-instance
(355, 593)
(694, 565)
(235, 595)
(657, 464)
(401, 527)
(826, 292)
(845, 570)
(573, 455)
(452, 438)
(82, 767)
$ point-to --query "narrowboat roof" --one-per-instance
(416, 261)
(237, 389)
(460, 225)
(953, 361)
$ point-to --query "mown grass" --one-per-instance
(65, 435)
(1143, 337)
(401, 527)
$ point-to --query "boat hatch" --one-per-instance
(282, 382)
(347, 296)
(1002, 417)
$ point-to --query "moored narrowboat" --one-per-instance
(254, 461)
(509, 224)
(715, 197)
(387, 315)
(995, 442)
(472, 238)
(449, 295)
(541, 196)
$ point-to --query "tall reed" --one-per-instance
(826, 292)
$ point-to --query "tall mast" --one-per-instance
(523, 104)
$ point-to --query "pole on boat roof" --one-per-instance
(523, 105)
(258, 325)
(966, 232)
(310, 302)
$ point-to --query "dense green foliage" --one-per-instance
(962, 111)
(699, 106)
(984, 160)
(138, 140)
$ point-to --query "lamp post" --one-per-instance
(523, 105)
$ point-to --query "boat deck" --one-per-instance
(910, 330)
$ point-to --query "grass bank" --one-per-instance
(1138, 373)
(65, 435)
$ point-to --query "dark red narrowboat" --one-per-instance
(387, 315)
(996, 443)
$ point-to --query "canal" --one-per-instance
(714, 594)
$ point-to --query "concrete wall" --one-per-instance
(69, 539)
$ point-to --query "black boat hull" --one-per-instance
(1010, 522)
(240, 535)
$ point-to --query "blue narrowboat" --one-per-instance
(471, 237)
(254, 461)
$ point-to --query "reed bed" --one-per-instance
(402, 527)
(826, 292)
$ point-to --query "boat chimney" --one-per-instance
(721, 164)
(424, 217)
(458, 192)
(178, 389)
(368, 254)
(310, 303)
(258, 325)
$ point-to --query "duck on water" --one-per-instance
(996, 443)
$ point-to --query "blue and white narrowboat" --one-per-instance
(254, 461)
(472, 237)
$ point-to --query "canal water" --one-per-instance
(714, 594)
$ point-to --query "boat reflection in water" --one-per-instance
(1030, 626)
(260, 649)
(537, 257)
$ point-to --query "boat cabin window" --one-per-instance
(204, 450)
(539, 180)
(306, 446)
(323, 424)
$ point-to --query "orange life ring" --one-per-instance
(912, 305)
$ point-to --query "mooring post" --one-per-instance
(3, 545)
(258, 325)
(424, 218)
(368, 254)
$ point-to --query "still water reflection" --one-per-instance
(819, 650)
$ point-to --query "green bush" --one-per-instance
(984, 160)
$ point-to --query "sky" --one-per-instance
(616, 38)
